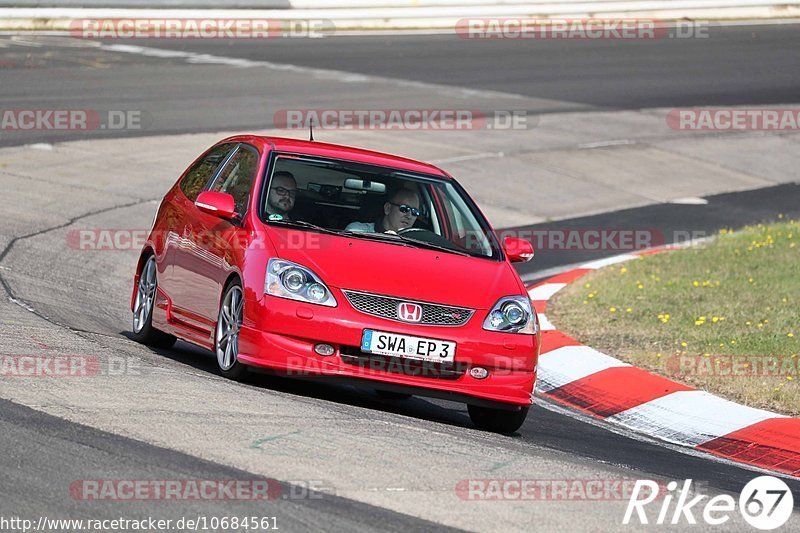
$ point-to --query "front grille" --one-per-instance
(353, 355)
(386, 307)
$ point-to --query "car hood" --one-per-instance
(396, 270)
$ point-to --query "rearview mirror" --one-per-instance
(218, 204)
(364, 185)
(517, 250)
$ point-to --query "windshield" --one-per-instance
(373, 202)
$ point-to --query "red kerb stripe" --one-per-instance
(773, 443)
(553, 339)
(614, 390)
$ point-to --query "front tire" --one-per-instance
(497, 420)
(226, 337)
(143, 330)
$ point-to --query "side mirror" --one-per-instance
(517, 250)
(218, 204)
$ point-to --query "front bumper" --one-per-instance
(280, 334)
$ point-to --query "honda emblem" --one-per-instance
(409, 312)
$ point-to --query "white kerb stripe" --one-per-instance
(569, 363)
(544, 324)
(600, 263)
(689, 417)
(545, 291)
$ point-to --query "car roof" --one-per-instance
(339, 151)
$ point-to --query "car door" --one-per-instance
(209, 257)
(176, 278)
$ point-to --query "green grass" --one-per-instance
(691, 314)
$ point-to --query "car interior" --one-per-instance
(331, 195)
(334, 197)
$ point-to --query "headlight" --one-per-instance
(512, 314)
(296, 282)
(293, 279)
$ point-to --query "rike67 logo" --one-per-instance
(765, 503)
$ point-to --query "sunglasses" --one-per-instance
(405, 208)
(283, 191)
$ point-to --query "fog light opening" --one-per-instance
(478, 372)
(324, 349)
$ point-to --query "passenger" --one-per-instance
(281, 197)
(401, 211)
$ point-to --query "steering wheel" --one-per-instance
(404, 231)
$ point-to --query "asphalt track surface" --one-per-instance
(733, 66)
(35, 443)
(751, 66)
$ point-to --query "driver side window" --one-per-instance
(196, 179)
(237, 177)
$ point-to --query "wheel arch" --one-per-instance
(143, 257)
(232, 277)
(147, 251)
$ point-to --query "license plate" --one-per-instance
(407, 346)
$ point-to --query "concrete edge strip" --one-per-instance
(627, 396)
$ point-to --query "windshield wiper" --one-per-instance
(384, 237)
(435, 246)
(400, 239)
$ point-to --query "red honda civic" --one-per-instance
(313, 259)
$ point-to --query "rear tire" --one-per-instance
(226, 334)
(143, 330)
(497, 420)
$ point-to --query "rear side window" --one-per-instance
(195, 180)
(237, 177)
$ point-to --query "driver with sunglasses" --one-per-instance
(401, 211)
